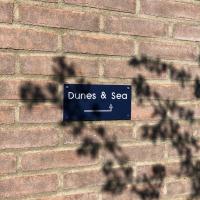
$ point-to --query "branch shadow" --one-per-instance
(168, 113)
(118, 171)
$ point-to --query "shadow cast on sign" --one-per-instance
(166, 112)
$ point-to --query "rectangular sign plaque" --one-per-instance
(85, 102)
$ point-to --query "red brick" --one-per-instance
(83, 179)
(122, 69)
(86, 196)
(195, 108)
(126, 195)
(169, 50)
(11, 89)
(98, 44)
(43, 65)
(192, 130)
(173, 151)
(23, 186)
(29, 39)
(6, 12)
(172, 169)
(139, 153)
(130, 26)
(36, 65)
(40, 114)
(7, 115)
(122, 133)
(142, 113)
(58, 18)
(185, 32)
(192, 70)
(7, 163)
(49, 1)
(189, 107)
(54, 159)
(126, 5)
(28, 137)
(178, 188)
(190, 111)
(7, 64)
(143, 153)
(166, 8)
(117, 68)
(174, 91)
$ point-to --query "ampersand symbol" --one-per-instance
(103, 95)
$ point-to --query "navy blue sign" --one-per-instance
(96, 102)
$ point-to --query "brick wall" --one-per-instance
(38, 159)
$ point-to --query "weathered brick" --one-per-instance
(142, 113)
(49, 1)
(12, 89)
(28, 137)
(44, 65)
(7, 115)
(60, 18)
(131, 26)
(195, 108)
(194, 130)
(54, 159)
(125, 195)
(29, 39)
(122, 133)
(193, 112)
(6, 12)
(190, 69)
(85, 196)
(121, 69)
(172, 169)
(174, 91)
(142, 153)
(83, 179)
(7, 64)
(186, 32)
(118, 68)
(173, 151)
(16, 187)
(8, 163)
(139, 153)
(126, 5)
(98, 44)
(169, 50)
(40, 114)
(190, 129)
(179, 187)
(166, 8)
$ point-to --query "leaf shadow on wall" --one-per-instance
(166, 115)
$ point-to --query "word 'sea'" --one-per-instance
(119, 96)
